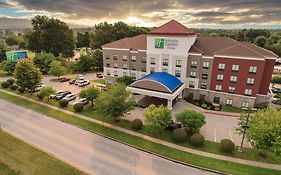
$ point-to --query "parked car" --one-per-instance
(37, 88)
(71, 81)
(99, 75)
(84, 101)
(62, 95)
(64, 79)
(174, 125)
(84, 83)
(80, 77)
(69, 97)
(53, 96)
(276, 90)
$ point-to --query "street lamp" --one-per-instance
(246, 125)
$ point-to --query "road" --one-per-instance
(82, 149)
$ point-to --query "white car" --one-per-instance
(38, 88)
(84, 101)
(84, 83)
(70, 97)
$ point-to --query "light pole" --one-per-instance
(246, 126)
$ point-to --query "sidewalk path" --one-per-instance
(189, 150)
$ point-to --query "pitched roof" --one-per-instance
(239, 50)
(132, 43)
(259, 50)
(172, 28)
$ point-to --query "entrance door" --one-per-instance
(217, 100)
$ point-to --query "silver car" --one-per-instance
(70, 97)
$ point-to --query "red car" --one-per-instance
(99, 75)
(64, 79)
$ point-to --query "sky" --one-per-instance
(227, 14)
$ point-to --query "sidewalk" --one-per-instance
(155, 140)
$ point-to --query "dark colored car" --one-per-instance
(276, 90)
(71, 81)
(174, 125)
(63, 94)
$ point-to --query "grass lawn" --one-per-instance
(226, 108)
(100, 81)
(19, 158)
(3, 73)
(210, 163)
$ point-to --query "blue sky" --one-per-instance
(192, 13)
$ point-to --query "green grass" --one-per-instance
(228, 167)
(19, 158)
(3, 73)
(100, 81)
(231, 109)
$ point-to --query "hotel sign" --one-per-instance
(161, 43)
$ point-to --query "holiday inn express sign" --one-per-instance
(161, 43)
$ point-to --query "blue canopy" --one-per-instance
(168, 80)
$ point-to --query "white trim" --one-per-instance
(107, 48)
(235, 57)
(142, 50)
(152, 81)
(133, 51)
(208, 57)
(195, 54)
(225, 93)
(271, 58)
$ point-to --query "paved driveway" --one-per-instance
(87, 151)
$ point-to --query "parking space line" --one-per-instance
(230, 135)
(215, 132)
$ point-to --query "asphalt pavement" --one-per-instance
(82, 149)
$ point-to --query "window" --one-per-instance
(220, 77)
(178, 63)
(191, 84)
(125, 58)
(107, 64)
(248, 92)
(203, 85)
(164, 70)
(108, 72)
(165, 62)
(250, 81)
(134, 58)
(143, 69)
(152, 69)
(178, 73)
(115, 73)
(134, 75)
(253, 69)
(143, 59)
(193, 64)
(233, 78)
(115, 57)
(221, 66)
(205, 65)
(125, 74)
(231, 89)
(245, 104)
(216, 100)
(134, 67)
(152, 61)
(218, 87)
(125, 66)
(204, 75)
(235, 68)
(202, 96)
(115, 65)
(107, 57)
(192, 74)
(229, 102)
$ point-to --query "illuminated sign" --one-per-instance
(161, 43)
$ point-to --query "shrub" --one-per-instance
(204, 105)
(180, 135)
(137, 124)
(40, 96)
(11, 81)
(197, 140)
(63, 103)
(227, 145)
(21, 90)
(5, 84)
(194, 120)
(262, 154)
(14, 87)
(78, 107)
(217, 109)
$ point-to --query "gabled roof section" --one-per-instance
(133, 43)
(168, 82)
(262, 51)
(172, 28)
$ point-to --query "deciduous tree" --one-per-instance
(57, 69)
(90, 93)
(191, 119)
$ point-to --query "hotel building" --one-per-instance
(215, 69)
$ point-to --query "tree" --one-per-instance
(51, 35)
(116, 102)
(276, 48)
(90, 93)
(157, 118)
(85, 63)
(98, 60)
(83, 40)
(46, 91)
(9, 66)
(274, 39)
(57, 69)
(43, 61)
(264, 129)
(125, 80)
(27, 75)
(12, 40)
(22, 44)
(260, 41)
(191, 119)
(276, 79)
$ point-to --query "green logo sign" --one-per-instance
(159, 43)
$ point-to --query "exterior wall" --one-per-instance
(266, 77)
(242, 74)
